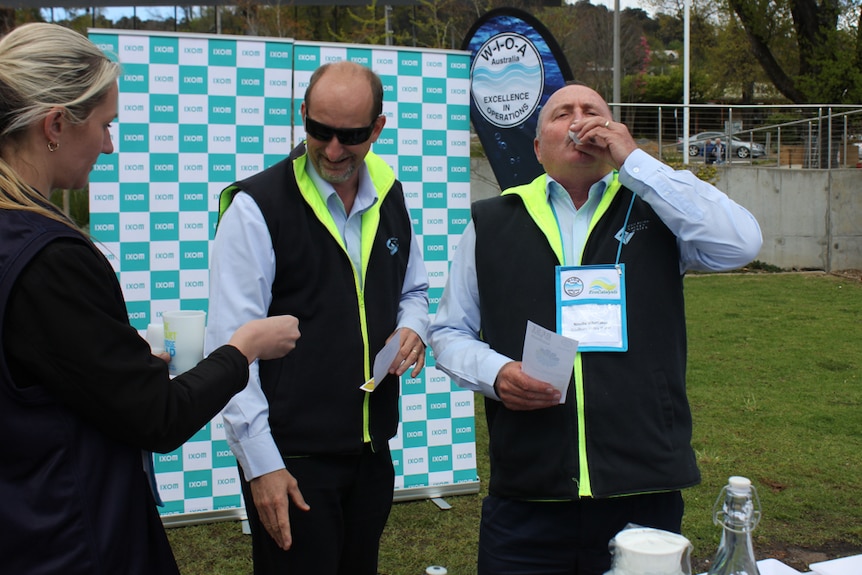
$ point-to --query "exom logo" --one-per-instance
(165, 285)
(134, 256)
(134, 78)
(194, 255)
(164, 167)
(193, 80)
(280, 56)
(164, 50)
(436, 247)
(134, 138)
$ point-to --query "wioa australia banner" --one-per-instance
(515, 66)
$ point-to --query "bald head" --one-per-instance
(348, 73)
(570, 96)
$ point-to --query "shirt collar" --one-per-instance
(555, 189)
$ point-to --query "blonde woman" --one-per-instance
(81, 396)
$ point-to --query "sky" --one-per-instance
(623, 4)
(144, 12)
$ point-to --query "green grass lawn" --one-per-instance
(775, 388)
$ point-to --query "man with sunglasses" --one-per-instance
(326, 234)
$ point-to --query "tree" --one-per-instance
(7, 20)
(666, 88)
(368, 26)
(585, 33)
(824, 69)
(432, 28)
(733, 73)
(445, 23)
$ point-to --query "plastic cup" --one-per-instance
(184, 338)
(156, 337)
(647, 551)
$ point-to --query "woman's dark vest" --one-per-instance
(74, 501)
(315, 404)
(635, 412)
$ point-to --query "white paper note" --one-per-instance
(549, 357)
(382, 361)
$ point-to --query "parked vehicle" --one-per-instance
(739, 148)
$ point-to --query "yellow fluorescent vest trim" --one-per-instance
(382, 178)
(536, 202)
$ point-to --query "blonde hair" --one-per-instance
(44, 67)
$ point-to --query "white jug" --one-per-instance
(648, 551)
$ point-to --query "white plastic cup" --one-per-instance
(184, 338)
(648, 551)
(156, 337)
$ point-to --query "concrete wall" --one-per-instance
(811, 219)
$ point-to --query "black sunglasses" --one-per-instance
(347, 136)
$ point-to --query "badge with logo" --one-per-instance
(591, 306)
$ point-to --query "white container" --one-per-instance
(184, 338)
(647, 551)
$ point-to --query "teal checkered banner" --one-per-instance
(198, 112)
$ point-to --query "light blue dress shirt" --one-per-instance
(242, 271)
(713, 233)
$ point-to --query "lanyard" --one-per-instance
(591, 303)
(622, 232)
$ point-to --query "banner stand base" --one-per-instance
(441, 503)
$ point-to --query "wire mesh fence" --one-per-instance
(788, 136)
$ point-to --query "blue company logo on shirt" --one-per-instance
(626, 234)
(392, 245)
(623, 236)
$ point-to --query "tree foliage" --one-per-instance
(741, 50)
(585, 33)
(827, 64)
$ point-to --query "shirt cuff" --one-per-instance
(489, 367)
(258, 456)
(418, 326)
(637, 168)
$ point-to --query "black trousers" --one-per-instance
(565, 538)
(350, 498)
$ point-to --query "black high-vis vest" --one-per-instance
(316, 406)
(634, 411)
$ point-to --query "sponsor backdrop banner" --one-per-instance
(196, 113)
(516, 66)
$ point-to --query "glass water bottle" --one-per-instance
(739, 515)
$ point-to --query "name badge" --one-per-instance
(591, 306)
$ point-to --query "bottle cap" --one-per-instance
(739, 484)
